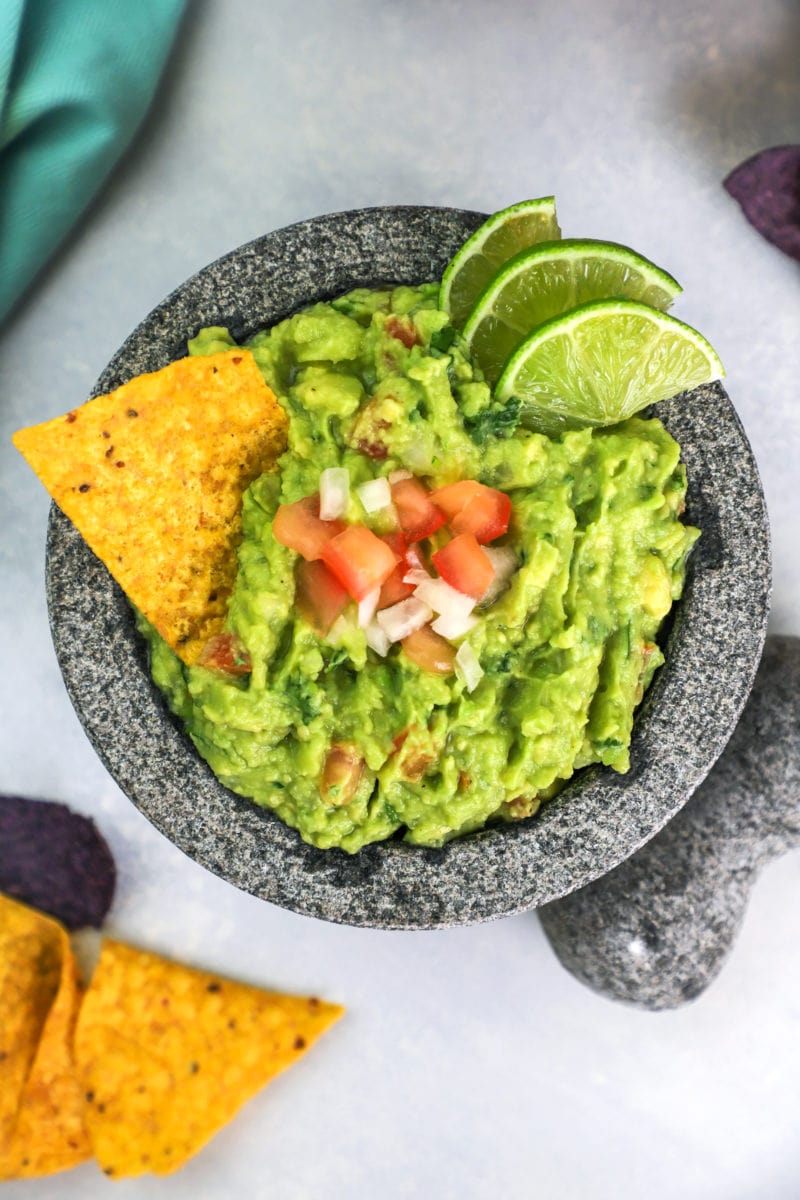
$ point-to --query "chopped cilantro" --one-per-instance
(608, 744)
(336, 659)
(301, 693)
(391, 813)
(497, 421)
(443, 339)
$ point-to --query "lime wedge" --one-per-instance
(603, 362)
(549, 279)
(498, 239)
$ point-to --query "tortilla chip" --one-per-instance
(152, 475)
(56, 860)
(41, 1104)
(167, 1055)
(30, 973)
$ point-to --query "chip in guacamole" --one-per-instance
(152, 475)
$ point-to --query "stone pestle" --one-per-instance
(656, 930)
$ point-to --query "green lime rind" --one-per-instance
(500, 237)
(551, 278)
(601, 363)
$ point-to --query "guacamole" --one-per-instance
(379, 383)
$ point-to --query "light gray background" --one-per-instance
(470, 1064)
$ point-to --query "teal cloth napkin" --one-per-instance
(76, 78)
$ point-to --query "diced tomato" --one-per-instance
(463, 564)
(299, 527)
(226, 652)
(399, 738)
(372, 449)
(419, 517)
(452, 498)
(394, 589)
(341, 775)
(359, 560)
(396, 542)
(486, 515)
(472, 507)
(430, 651)
(404, 331)
(319, 596)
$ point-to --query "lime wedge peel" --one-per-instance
(603, 362)
(502, 236)
(545, 280)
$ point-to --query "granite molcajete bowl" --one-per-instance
(601, 818)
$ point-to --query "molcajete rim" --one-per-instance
(600, 819)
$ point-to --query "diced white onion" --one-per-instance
(377, 639)
(443, 598)
(454, 625)
(468, 668)
(367, 606)
(334, 493)
(400, 473)
(418, 458)
(505, 563)
(404, 618)
(375, 494)
(341, 626)
(416, 572)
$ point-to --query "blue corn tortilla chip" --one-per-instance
(767, 186)
(55, 860)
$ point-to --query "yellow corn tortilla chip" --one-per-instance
(152, 475)
(42, 1129)
(30, 973)
(167, 1055)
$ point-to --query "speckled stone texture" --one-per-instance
(657, 930)
(600, 819)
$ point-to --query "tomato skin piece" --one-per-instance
(472, 507)
(430, 651)
(299, 527)
(419, 517)
(319, 596)
(404, 330)
(393, 590)
(341, 775)
(226, 652)
(463, 564)
(359, 559)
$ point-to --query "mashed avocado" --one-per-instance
(376, 381)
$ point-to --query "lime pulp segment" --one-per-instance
(603, 362)
(502, 236)
(545, 280)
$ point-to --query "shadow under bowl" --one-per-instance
(600, 819)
